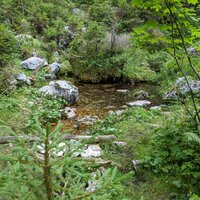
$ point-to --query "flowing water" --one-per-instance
(98, 99)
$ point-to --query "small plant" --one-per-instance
(50, 169)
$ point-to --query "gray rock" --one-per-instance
(141, 103)
(87, 119)
(68, 113)
(135, 164)
(193, 51)
(33, 62)
(63, 89)
(93, 182)
(23, 79)
(183, 88)
(117, 112)
(124, 91)
(170, 95)
(120, 143)
(156, 108)
(76, 10)
(54, 68)
(91, 150)
(50, 76)
(57, 56)
(141, 95)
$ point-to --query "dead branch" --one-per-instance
(93, 139)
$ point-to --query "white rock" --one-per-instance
(62, 89)
(68, 113)
(156, 108)
(120, 143)
(135, 164)
(92, 150)
(87, 119)
(125, 91)
(22, 78)
(33, 62)
(119, 112)
(140, 103)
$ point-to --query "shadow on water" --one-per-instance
(98, 99)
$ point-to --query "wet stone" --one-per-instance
(140, 103)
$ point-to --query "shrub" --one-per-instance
(8, 47)
(173, 152)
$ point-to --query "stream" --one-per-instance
(96, 100)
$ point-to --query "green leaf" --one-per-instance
(137, 3)
(193, 2)
(194, 197)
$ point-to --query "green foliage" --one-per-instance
(175, 151)
(8, 47)
(43, 109)
(8, 52)
(29, 167)
(137, 68)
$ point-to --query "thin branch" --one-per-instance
(173, 20)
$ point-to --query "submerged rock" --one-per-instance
(141, 95)
(124, 91)
(141, 103)
(87, 119)
(33, 62)
(68, 113)
(63, 89)
(117, 112)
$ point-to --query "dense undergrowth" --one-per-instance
(99, 42)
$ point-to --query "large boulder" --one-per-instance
(33, 62)
(63, 89)
(140, 103)
(183, 87)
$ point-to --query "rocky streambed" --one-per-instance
(98, 100)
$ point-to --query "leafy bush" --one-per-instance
(175, 152)
(137, 68)
(8, 47)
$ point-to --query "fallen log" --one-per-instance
(100, 161)
(10, 139)
(93, 139)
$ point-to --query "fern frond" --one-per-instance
(192, 137)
